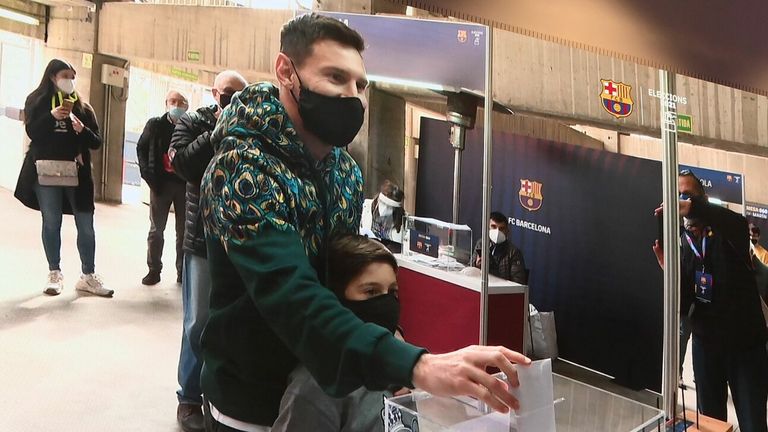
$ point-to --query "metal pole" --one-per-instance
(456, 182)
(669, 168)
(105, 141)
(487, 177)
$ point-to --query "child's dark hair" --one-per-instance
(349, 255)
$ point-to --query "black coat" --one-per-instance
(152, 146)
(46, 144)
(191, 151)
(734, 317)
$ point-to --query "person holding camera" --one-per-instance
(55, 177)
(720, 298)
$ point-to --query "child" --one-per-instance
(362, 273)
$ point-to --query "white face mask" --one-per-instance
(66, 85)
(497, 236)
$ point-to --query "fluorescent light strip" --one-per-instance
(18, 17)
(407, 83)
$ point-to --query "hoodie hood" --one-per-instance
(257, 116)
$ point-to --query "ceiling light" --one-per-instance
(18, 17)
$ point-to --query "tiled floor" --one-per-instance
(80, 363)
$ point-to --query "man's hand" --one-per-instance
(478, 261)
(659, 253)
(685, 208)
(463, 372)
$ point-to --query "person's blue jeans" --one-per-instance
(195, 296)
(745, 370)
(51, 200)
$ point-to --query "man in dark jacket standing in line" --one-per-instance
(165, 186)
(190, 153)
(729, 332)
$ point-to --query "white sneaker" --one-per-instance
(93, 284)
(55, 283)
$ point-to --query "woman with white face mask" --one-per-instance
(383, 215)
(63, 131)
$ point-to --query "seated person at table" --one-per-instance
(383, 215)
(506, 260)
(361, 272)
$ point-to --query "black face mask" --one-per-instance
(224, 100)
(335, 120)
(383, 310)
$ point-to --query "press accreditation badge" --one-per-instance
(704, 288)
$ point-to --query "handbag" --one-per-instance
(542, 334)
(56, 173)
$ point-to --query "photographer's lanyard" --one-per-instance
(703, 253)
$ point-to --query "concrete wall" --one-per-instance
(246, 40)
(545, 78)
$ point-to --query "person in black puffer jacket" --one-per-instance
(190, 152)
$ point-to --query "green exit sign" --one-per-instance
(193, 56)
(684, 123)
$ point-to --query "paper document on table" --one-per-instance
(536, 396)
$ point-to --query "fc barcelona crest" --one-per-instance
(616, 98)
(461, 36)
(530, 194)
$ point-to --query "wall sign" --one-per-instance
(616, 98)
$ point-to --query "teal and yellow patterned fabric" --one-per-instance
(262, 174)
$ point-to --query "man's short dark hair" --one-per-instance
(499, 218)
(699, 186)
(299, 35)
(755, 230)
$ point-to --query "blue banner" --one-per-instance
(584, 221)
(448, 54)
(722, 185)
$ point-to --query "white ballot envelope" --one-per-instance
(536, 396)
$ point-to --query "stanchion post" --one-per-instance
(487, 176)
(669, 167)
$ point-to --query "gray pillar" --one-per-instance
(109, 103)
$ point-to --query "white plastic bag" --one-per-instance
(541, 340)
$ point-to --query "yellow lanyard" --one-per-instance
(72, 97)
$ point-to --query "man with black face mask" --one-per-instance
(190, 152)
(278, 187)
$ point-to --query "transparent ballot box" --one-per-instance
(577, 408)
(436, 243)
